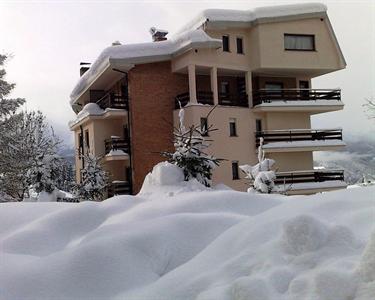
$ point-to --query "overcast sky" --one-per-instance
(48, 39)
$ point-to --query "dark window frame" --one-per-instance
(204, 123)
(80, 145)
(301, 35)
(226, 46)
(240, 50)
(258, 125)
(87, 138)
(235, 171)
(232, 129)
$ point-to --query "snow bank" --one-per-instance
(200, 244)
(167, 178)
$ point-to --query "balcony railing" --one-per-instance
(269, 96)
(203, 97)
(117, 144)
(296, 135)
(112, 100)
(308, 176)
(233, 99)
(119, 188)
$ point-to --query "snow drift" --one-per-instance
(179, 240)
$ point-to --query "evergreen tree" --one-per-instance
(27, 160)
(8, 106)
(189, 155)
(8, 117)
(94, 180)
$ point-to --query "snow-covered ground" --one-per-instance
(180, 240)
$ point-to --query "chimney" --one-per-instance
(116, 43)
(158, 35)
(84, 67)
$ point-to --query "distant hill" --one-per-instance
(357, 160)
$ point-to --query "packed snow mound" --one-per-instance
(367, 266)
(303, 234)
(168, 178)
(199, 244)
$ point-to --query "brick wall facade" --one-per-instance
(152, 89)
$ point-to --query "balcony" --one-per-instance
(310, 181)
(111, 100)
(114, 144)
(309, 176)
(203, 97)
(229, 99)
(296, 140)
(119, 188)
(317, 100)
(116, 149)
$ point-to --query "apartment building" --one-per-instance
(255, 66)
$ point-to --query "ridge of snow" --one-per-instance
(131, 53)
(116, 152)
(199, 244)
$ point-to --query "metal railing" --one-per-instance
(309, 176)
(119, 188)
(111, 100)
(296, 135)
(203, 97)
(240, 99)
(117, 144)
(270, 95)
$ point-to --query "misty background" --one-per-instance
(48, 40)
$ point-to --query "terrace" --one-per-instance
(300, 139)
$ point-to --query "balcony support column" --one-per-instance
(214, 88)
(249, 87)
(192, 84)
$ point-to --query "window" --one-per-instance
(235, 175)
(304, 89)
(299, 42)
(224, 87)
(258, 125)
(239, 45)
(204, 126)
(80, 145)
(87, 139)
(273, 86)
(226, 43)
(232, 127)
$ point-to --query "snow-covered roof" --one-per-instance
(211, 16)
(190, 36)
(126, 56)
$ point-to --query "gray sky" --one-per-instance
(49, 38)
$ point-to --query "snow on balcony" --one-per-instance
(93, 110)
(299, 145)
(295, 188)
(116, 154)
